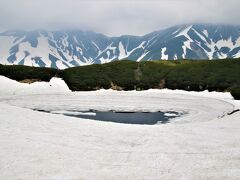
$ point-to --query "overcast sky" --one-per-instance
(115, 17)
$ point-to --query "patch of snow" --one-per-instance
(75, 39)
(184, 32)
(74, 113)
(107, 60)
(21, 55)
(99, 50)
(169, 114)
(176, 31)
(205, 32)
(201, 36)
(6, 43)
(108, 54)
(139, 46)
(186, 45)
(142, 56)
(40, 51)
(80, 50)
(237, 55)
(65, 40)
(219, 44)
(175, 57)
(225, 43)
(164, 56)
(122, 51)
(83, 45)
(61, 65)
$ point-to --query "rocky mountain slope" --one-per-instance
(62, 49)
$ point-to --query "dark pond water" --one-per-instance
(149, 118)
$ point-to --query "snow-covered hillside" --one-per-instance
(203, 144)
(62, 49)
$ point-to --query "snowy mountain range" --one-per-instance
(62, 49)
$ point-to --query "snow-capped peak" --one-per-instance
(62, 49)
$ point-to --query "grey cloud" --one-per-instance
(115, 17)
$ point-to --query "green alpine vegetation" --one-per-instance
(21, 73)
(215, 75)
(220, 75)
(235, 92)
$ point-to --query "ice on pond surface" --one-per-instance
(149, 118)
(203, 143)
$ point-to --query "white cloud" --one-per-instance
(115, 17)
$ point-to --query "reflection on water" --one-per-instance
(149, 118)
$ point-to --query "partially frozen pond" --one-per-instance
(148, 118)
(203, 143)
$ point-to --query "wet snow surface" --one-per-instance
(203, 143)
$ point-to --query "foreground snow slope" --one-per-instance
(204, 144)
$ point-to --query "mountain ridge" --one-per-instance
(63, 49)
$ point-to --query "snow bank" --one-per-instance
(12, 87)
(206, 93)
